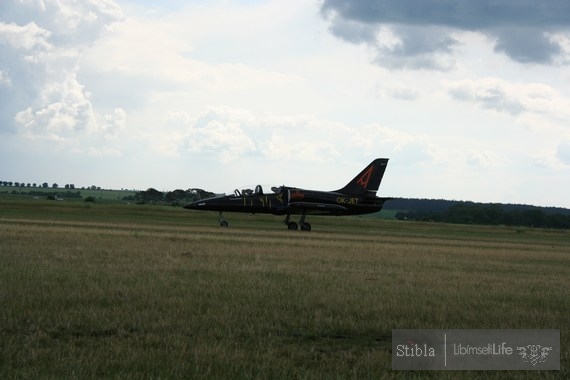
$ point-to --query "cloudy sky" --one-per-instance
(470, 100)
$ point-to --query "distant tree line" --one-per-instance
(44, 185)
(175, 198)
(50, 192)
(479, 213)
(43, 190)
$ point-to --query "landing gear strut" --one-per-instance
(294, 226)
(222, 221)
(304, 226)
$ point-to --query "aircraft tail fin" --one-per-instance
(368, 180)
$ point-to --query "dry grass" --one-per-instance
(111, 292)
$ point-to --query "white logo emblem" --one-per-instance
(534, 353)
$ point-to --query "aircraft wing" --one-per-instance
(317, 206)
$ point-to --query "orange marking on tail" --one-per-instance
(365, 177)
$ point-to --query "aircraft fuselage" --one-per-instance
(289, 200)
(357, 197)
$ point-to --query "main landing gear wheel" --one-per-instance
(292, 226)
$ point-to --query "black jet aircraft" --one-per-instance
(357, 197)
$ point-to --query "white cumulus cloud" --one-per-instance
(42, 43)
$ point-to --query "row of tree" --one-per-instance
(176, 197)
(490, 214)
(44, 185)
(50, 194)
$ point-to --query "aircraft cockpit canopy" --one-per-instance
(248, 192)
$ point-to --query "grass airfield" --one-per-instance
(130, 291)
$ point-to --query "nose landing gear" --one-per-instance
(222, 221)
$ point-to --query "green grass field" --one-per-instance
(97, 290)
